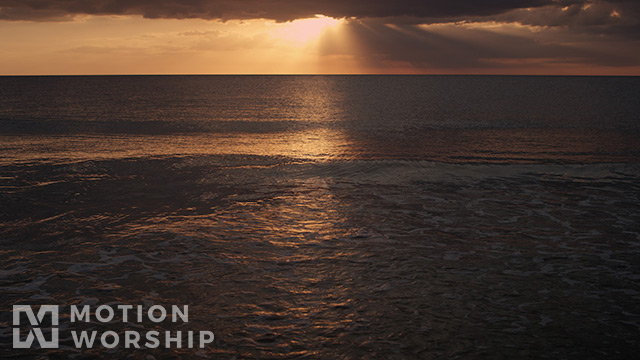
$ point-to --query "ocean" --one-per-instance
(328, 217)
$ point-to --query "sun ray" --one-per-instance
(305, 30)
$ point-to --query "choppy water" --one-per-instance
(330, 217)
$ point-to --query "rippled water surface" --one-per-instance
(329, 217)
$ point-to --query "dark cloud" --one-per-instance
(602, 16)
(593, 16)
(280, 10)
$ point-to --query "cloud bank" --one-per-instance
(279, 10)
(600, 16)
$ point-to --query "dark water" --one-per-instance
(380, 217)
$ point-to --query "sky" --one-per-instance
(553, 37)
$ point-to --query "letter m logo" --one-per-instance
(35, 322)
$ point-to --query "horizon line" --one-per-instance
(331, 74)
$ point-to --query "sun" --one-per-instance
(305, 30)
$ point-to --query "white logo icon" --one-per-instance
(35, 322)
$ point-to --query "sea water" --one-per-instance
(330, 217)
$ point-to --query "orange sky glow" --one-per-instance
(131, 44)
